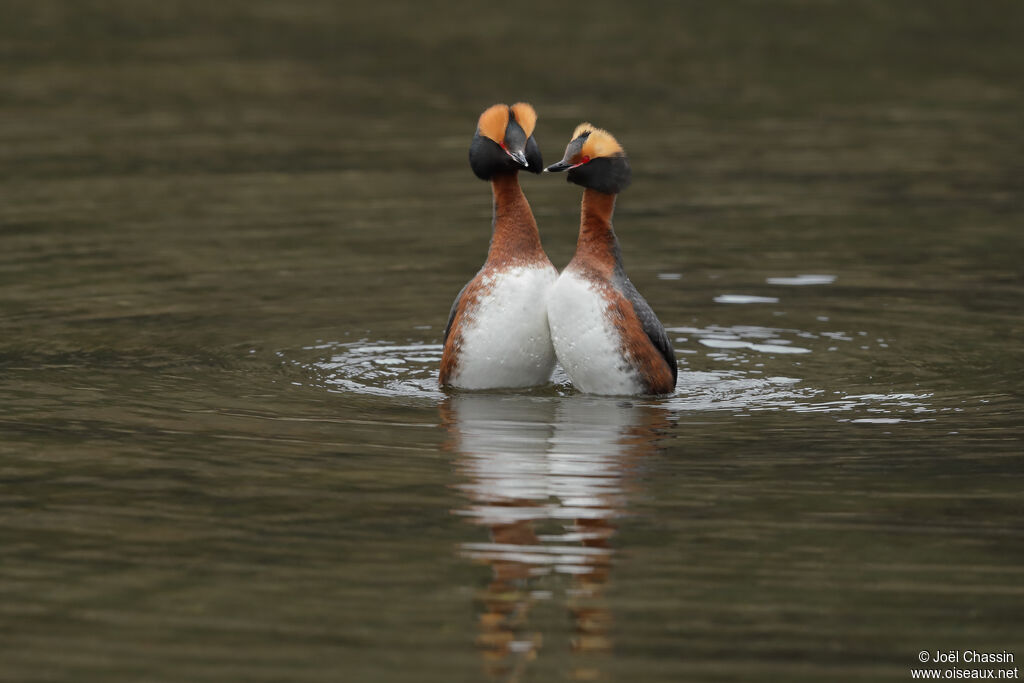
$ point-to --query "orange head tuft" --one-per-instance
(525, 116)
(598, 142)
(493, 122)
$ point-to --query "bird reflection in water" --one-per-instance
(548, 477)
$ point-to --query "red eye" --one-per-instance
(585, 160)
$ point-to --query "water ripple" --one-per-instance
(745, 378)
(379, 369)
(802, 280)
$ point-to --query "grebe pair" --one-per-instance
(511, 321)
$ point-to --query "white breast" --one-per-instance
(587, 344)
(506, 342)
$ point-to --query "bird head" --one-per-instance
(504, 141)
(595, 159)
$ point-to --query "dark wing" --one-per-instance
(652, 326)
(451, 314)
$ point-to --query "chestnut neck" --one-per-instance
(515, 239)
(597, 247)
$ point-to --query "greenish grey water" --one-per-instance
(229, 236)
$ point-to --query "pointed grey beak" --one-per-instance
(519, 156)
(557, 167)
